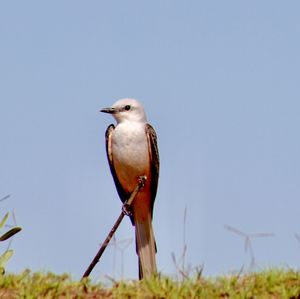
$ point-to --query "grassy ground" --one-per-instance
(267, 284)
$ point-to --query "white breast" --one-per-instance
(130, 153)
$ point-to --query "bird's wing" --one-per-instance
(154, 160)
(122, 193)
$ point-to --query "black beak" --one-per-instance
(108, 110)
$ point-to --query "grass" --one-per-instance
(273, 283)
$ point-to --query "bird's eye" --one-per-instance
(127, 107)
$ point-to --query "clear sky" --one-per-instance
(220, 83)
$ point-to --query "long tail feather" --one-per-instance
(145, 247)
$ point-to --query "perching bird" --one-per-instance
(132, 152)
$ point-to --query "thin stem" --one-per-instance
(126, 205)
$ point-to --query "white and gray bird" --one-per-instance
(132, 152)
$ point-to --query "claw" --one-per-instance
(142, 181)
(126, 206)
(126, 211)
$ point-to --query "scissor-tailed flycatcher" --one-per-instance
(132, 152)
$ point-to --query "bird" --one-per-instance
(132, 152)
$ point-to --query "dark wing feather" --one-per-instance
(154, 160)
(122, 193)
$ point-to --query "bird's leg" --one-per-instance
(126, 209)
(142, 181)
(126, 206)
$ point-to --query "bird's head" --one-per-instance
(127, 110)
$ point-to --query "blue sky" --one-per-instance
(220, 83)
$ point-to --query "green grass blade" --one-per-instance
(3, 221)
(5, 257)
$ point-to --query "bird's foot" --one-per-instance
(142, 181)
(126, 210)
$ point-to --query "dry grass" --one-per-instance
(266, 284)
